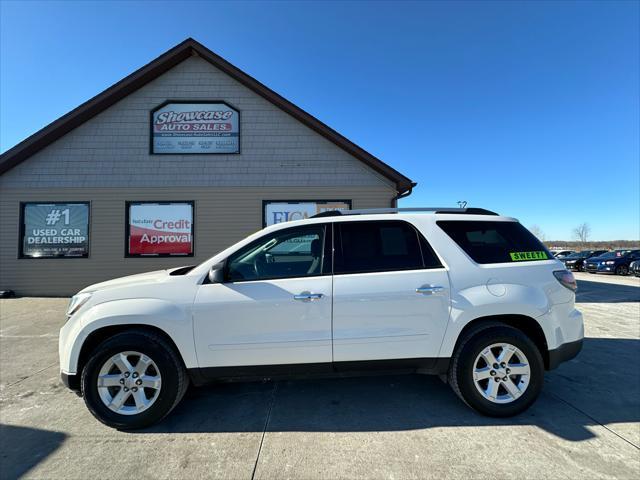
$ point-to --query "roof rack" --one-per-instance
(373, 211)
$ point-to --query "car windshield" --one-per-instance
(578, 255)
(611, 255)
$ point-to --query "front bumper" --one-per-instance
(564, 353)
(591, 268)
(72, 382)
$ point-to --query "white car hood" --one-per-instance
(128, 280)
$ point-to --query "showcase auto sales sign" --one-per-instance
(161, 229)
(183, 128)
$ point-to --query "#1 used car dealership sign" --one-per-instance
(183, 128)
(54, 230)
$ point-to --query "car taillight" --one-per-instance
(566, 278)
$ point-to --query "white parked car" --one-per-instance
(559, 254)
(464, 294)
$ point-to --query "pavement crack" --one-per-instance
(29, 376)
(264, 430)
(594, 419)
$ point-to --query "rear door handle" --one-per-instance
(308, 297)
(430, 289)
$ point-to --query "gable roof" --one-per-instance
(157, 67)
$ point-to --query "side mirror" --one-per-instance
(216, 273)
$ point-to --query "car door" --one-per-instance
(390, 293)
(274, 306)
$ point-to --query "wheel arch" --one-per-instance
(101, 334)
(527, 325)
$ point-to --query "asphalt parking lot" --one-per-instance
(586, 424)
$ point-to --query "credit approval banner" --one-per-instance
(160, 229)
(195, 128)
(278, 212)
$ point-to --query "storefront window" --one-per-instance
(54, 230)
(159, 229)
(278, 211)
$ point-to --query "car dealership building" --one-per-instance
(182, 158)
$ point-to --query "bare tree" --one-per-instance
(582, 232)
(537, 231)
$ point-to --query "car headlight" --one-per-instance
(610, 262)
(76, 302)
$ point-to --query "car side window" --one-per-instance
(292, 252)
(380, 246)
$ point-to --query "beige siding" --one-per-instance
(112, 149)
(223, 215)
(106, 161)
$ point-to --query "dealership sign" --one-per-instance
(278, 212)
(183, 128)
(55, 230)
(160, 229)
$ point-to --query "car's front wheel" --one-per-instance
(133, 380)
(622, 270)
(497, 370)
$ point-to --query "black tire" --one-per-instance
(622, 270)
(174, 378)
(461, 369)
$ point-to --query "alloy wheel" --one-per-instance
(501, 373)
(129, 383)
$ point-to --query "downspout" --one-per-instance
(406, 193)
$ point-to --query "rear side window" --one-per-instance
(362, 247)
(495, 242)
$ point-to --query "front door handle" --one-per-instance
(308, 297)
(430, 289)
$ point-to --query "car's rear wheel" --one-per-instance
(497, 370)
(622, 270)
(133, 380)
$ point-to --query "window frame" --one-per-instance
(22, 230)
(420, 239)
(327, 234)
(127, 227)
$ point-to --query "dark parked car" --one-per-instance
(616, 262)
(634, 268)
(576, 260)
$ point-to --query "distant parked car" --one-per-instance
(634, 268)
(616, 262)
(576, 260)
(563, 253)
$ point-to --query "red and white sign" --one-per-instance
(185, 128)
(160, 229)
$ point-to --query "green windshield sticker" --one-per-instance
(527, 256)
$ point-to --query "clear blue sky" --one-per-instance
(528, 108)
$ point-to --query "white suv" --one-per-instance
(465, 294)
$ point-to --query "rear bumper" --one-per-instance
(564, 353)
